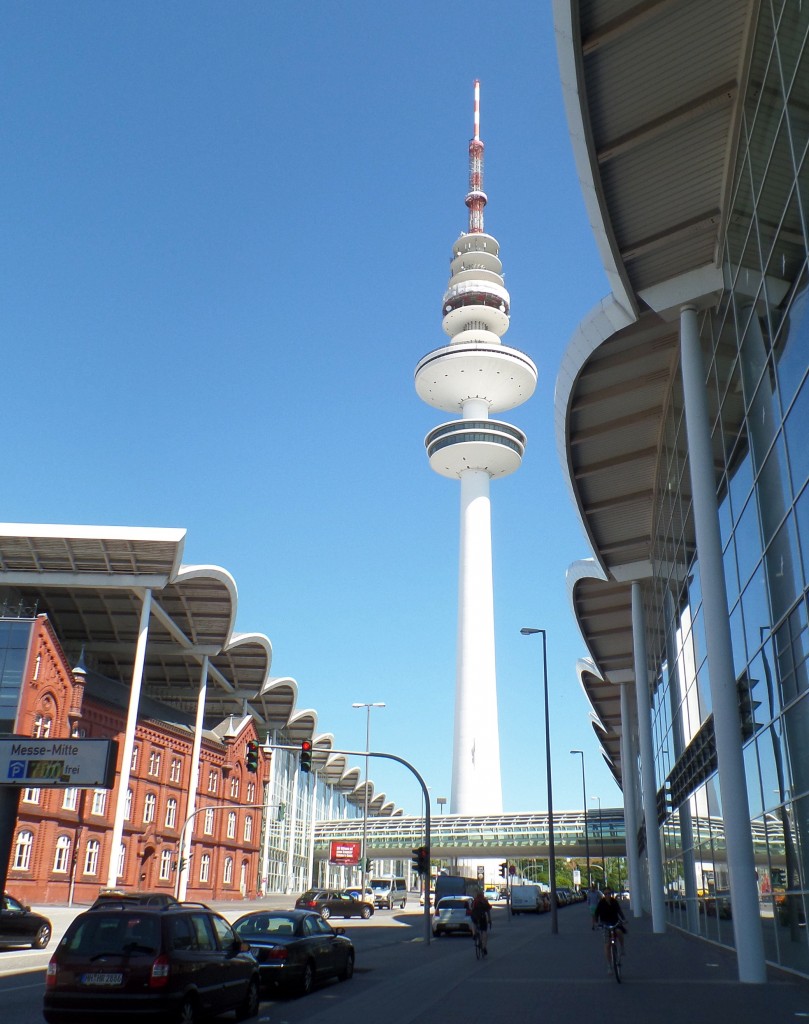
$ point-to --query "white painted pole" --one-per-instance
(129, 740)
(647, 767)
(629, 765)
(184, 867)
(727, 725)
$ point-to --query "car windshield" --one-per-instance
(96, 934)
(264, 926)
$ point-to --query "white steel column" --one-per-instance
(476, 785)
(129, 740)
(193, 784)
(292, 834)
(629, 765)
(270, 804)
(647, 767)
(727, 726)
(311, 842)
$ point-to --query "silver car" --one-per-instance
(453, 914)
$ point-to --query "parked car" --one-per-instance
(356, 891)
(179, 962)
(20, 926)
(130, 898)
(526, 899)
(389, 893)
(296, 948)
(492, 893)
(453, 914)
(328, 902)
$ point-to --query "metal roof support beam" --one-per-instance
(629, 766)
(732, 783)
(129, 740)
(184, 854)
(647, 766)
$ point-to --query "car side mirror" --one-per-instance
(239, 946)
(338, 931)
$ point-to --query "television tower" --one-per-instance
(474, 376)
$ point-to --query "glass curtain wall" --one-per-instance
(758, 352)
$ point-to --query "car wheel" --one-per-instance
(365, 913)
(325, 913)
(403, 904)
(307, 982)
(348, 970)
(249, 1007)
(42, 937)
(188, 1012)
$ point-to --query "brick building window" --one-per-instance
(165, 865)
(248, 828)
(251, 792)
(149, 805)
(213, 781)
(30, 796)
(70, 799)
(91, 857)
(42, 727)
(171, 812)
(205, 867)
(154, 763)
(227, 874)
(99, 801)
(176, 769)
(207, 827)
(61, 856)
(22, 851)
(231, 825)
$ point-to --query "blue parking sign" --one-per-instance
(16, 769)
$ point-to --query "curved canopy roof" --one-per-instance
(653, 100)
(90, 581)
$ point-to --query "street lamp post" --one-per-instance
(586, 829)
(601, 836)
(367, 707)
(527, 631)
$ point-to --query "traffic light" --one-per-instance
(504, 869)
(252, 756)
(421, 862)
(306, 755)
(282, 812)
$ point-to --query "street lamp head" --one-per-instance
(376, 704)
(527, 631)
(577, 752)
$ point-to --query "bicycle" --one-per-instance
(611, 938)
(478, 945)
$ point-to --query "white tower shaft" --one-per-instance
(475, 375)
(476, 784)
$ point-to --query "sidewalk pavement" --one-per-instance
(531, 975)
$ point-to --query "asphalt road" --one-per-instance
(530, 975)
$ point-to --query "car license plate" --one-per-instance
(102, 979)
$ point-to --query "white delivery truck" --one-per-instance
(526, 899)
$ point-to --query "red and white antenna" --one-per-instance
(476, 198)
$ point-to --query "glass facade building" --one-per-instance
(683, 418)
(757, 340)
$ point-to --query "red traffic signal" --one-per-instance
(306, 755)
(252, 756)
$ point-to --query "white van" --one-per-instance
(389, 892)
(526, 899)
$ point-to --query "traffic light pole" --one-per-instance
(425, 791)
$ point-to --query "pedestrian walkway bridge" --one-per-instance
(497, 835)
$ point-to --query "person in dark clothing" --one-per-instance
(482, 920)
(608, 912)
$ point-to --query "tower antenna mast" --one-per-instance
(476, 198)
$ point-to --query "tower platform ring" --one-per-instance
(485, 445)
(502, 376)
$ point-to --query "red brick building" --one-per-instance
(61, 846)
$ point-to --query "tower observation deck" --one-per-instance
(475, 376)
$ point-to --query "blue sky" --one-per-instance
(227, 230)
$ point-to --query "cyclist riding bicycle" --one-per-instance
(481, 920)
(608, 912)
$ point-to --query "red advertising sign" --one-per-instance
(343, 851)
